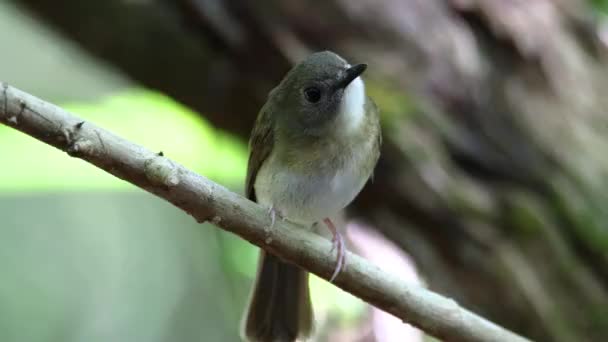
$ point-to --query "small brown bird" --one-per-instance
(314, 145)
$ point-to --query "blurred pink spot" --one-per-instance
(386, 255)
(602, 32)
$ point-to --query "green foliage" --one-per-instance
(144, 117)
(600, 5)
(524, 214)
(587, 216)
(391, 101)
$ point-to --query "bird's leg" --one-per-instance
(274, 212)
(338, 244)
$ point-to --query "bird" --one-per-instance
(313, 147)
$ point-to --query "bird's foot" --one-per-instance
(337, 244)
(274, 212)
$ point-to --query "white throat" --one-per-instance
(352, 108)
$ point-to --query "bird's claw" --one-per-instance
(273, 212)
(337, 244)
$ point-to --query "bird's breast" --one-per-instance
(308, 192)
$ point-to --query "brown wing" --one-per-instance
(260, 146)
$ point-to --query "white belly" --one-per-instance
(308, 198)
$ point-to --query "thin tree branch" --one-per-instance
(208, 201)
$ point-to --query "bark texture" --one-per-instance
(494, 170)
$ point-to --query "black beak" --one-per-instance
(350, 74)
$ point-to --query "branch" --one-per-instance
(208, 201)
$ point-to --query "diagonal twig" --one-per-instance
(208, 201)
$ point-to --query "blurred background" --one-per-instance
(491, 188)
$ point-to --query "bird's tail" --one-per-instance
(279, 308)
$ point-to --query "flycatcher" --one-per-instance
(314, 145)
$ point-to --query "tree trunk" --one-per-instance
(493, 172)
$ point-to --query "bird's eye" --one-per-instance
(312, 94)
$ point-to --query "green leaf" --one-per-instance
(141, 116)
